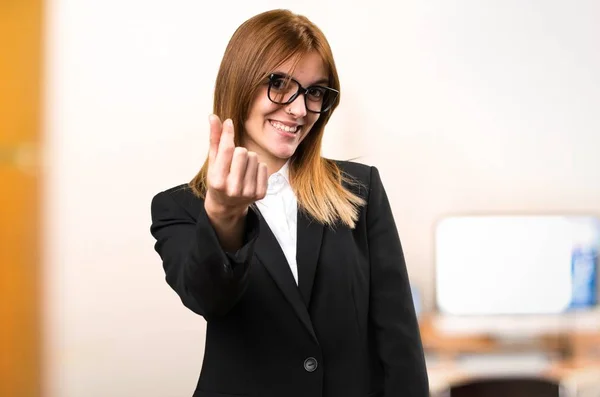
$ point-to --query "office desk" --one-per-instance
(564, 348)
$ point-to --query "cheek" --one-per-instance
(263, 107)
(258, 115)
(313, 118)
(309, 131)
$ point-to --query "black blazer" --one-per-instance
(347, 330)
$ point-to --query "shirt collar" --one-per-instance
(285, 171)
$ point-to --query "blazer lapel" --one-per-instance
(269, 252)
(310, 234)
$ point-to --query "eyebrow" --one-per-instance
(323, 80)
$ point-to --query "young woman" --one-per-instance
(294, 260)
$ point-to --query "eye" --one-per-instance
(280, 83)
(316, 93)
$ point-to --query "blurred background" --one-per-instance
(482, 117)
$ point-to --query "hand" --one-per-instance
(235, 178)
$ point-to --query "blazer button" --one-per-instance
(310, 364)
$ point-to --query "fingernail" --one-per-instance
(211, 117)
(229, 123)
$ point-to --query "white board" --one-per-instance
(508, 264)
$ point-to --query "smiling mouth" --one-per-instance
(285, 128)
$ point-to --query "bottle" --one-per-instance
(584, 272)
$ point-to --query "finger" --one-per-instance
(262, 176)
(235, 180)
(249, 189)
(225, 151)
(227, 135)
(216, 128)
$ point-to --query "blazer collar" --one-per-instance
(267, 249)
(308, 247)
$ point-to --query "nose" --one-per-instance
(297, 108)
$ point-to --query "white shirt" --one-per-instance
(279, 208)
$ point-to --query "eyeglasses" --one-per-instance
(284, 90)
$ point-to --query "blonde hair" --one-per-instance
(257, 47)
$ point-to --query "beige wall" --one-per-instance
(466, 107)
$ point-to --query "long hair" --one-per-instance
(257, 47)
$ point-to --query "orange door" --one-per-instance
(20, 86)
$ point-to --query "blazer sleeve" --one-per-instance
(392, 312)
(208, 280)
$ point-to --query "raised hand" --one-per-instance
(235, 178)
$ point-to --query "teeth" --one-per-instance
(282, 127)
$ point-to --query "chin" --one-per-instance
(283, 153)
(284, 150)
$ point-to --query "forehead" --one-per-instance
(310, 68)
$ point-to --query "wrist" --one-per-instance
(223, 213)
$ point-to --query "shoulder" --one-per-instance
(180, 196)
(357, 171)
(361, 179)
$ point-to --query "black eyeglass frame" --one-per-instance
(301, 90)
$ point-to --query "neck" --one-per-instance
(273, 164)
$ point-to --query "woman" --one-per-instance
(293, 260)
